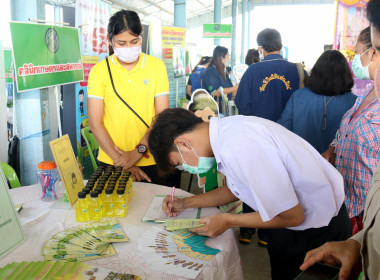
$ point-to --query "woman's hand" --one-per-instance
(126, 159)
(214, 225)
(329, 155)
(333, 253)
(172, 209)
(138, 175)
(216, 93)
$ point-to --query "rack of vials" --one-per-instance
(107, 194)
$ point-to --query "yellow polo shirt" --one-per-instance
(139, 88)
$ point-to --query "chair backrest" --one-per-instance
(92, 144)
(11, 175)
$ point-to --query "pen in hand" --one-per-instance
(171, 198)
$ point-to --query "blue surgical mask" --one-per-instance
(204, 163)
(361, 72)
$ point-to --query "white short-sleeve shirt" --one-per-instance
(272, 170)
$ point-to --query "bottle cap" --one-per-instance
(86, 190)
(46, 165)
(81, 195)
(109, 191)
(120, 191)
(94, 194)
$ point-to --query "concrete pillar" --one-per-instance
(217, 17)
(31, 107)
(233, 39)
(180, 13)
(243, 9)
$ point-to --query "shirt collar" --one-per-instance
(140, 64)
(214, 136)
(273, 56)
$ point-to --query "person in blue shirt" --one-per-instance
(315, 112)
(266, 86)
(195, 78)
(263, 92)
(215, 80)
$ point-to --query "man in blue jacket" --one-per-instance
(263, 92)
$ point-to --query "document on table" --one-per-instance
(176, 224)
(156, 214)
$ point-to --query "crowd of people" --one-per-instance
(303, 153)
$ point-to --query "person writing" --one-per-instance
(127, 77)
(299, 197)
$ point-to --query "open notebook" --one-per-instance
(155, 213)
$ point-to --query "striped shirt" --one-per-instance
(358, 152)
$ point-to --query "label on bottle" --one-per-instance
(97, 210)
(123, 206)
(112, 205)
(84, 210)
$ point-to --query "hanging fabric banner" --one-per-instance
(91, 19)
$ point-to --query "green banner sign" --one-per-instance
(217, 30)
(8, 66)
(45, 55)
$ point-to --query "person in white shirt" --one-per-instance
(293, 189)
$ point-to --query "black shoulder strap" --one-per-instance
(122, 100)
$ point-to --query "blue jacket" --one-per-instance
(304, 115)
(266, 87)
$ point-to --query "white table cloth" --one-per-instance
(41, 221)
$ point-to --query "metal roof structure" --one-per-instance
(197, 11)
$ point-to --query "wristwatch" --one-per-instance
(142, 149)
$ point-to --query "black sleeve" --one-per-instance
(189, 81)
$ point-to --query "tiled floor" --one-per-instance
(254, 259)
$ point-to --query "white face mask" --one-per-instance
(128, 55)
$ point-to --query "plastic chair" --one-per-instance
(92, 144)
(11, 175)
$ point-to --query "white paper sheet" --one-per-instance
(155, 212)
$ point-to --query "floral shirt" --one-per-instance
(357, 151)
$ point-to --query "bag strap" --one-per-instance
(122, 100)
(301, 75)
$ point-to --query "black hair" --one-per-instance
(203, 61)
(217, 55)
(252, 57)
(270, 40)
(81, 91)
(373, 13)
(121, 21)
(365, 37)
(167, 126)
(330, 75)
(228, 69)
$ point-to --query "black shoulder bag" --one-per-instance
(122, 100)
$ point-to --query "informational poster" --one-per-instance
(67, 166)
(217, 30)
(91, 19)
(11, 233)
(8, 66)
(350, 20)
(45, 55)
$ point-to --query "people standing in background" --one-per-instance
(130, 77)
(195, 78)
(264, 91)
(355, 151)
(266, 86)
(215, 79)
(228, 71)
(315, 112)
(252, 57)
(364, 246)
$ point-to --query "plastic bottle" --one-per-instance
(120, 204)
(81, 208)
(95, 207)
(109, 204)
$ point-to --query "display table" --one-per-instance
(41, 221)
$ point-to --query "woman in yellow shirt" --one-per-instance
(130, 77)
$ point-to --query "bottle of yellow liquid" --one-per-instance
(120, 204)
(81, 208)
(109, 204)
(95, 207)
